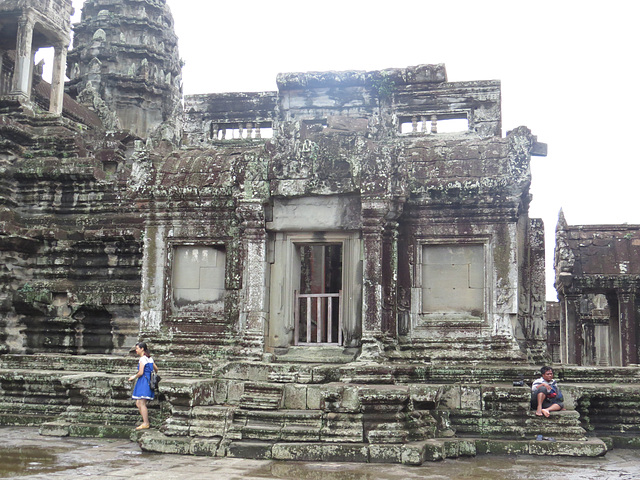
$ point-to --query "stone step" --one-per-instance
(123, 365)
(298, 425)
(263, 396)
(503, 424)
(497, 350)
(317, 354)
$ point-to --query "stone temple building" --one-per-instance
(342, 269)
(598, 282)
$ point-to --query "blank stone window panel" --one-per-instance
(453, 280)
(198, 279)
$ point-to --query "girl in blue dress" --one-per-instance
(142, 390)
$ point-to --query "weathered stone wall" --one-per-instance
(189, 200)
(70, 246)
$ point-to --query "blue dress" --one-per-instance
(142, 388)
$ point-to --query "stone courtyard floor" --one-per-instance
(24, 454)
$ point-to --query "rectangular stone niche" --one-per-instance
(453, 278)
(198, 279)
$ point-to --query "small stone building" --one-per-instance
(598, 279)
(361, 225)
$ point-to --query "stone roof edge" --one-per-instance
(604, 226)
(426, 73)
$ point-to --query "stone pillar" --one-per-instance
(374, 213)
(628, 339)
(588, 354)
(57, 82)
(24, 58)
(390, 278)
(253, 311)
(2, 87)
(570, 336)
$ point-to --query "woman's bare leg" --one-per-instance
(142, 406)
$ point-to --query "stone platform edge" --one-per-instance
(413, 453)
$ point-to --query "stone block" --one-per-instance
(295, 396)
(236, 390)
(220, 392)
(413, 453)
(350, 400)
(502, 447)
(380, 453)
(313, 452)
(253, 450)
(300, 433)
(434, 450)
(314, 397)
(157, 442)
(461, 448)
(470, 397)
(451, 397)
(205, 447)
(107, 431)
(54, 429)
(591, 448)
(426, 394)
(210, 421)
(342, 427)
(383, 400)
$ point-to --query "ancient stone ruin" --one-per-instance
(598, 282)
(342, 269)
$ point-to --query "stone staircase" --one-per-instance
(308, 411)
(30, 398)
(504, 413)
(465, 351)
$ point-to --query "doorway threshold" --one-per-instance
(319, 354)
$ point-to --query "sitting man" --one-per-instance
(545, 394)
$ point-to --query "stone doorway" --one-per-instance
(315, 291)
(318, 300)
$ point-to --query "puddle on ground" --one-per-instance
(477, 468)
(31, 460)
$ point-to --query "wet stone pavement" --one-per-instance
(24, 454)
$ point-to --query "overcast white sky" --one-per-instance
(569, 72)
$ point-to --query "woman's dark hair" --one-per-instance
(144, 347)
(545, 369)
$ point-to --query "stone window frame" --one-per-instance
(423, 321)
(171, 247)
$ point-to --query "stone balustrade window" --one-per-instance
(432, 124)
(198, 279)
(453, 280)
(240, 131)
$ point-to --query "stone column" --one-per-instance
(628, 339)
(390, 278)
(24, 58)
(253, 311)
(374, 213)
(570, 336)
(588, 353)
(57, 82)
(2, 87)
